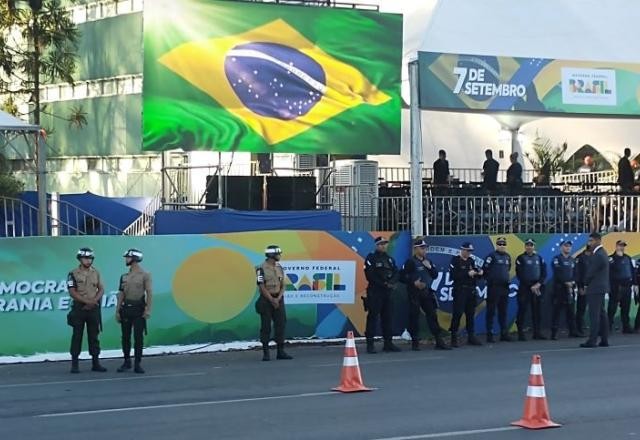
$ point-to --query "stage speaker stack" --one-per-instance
(291, 193)
(238, 192)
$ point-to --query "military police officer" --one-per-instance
(582, 261)
(464, 274)
(270, 304)
(420, 273)
(564, 286)
(381, 272)
(531, 271)
(497, 268)
(133, 309)
(622, 277)
(86, 290)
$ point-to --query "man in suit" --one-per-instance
(596, 284)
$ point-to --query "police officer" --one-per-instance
(464, 274)
(86, 290)
(497, 268)
(420, 273)
(381, 271)
(622, 277)
(582, 261)
(564, 286)
(636, 298)
(596, 287)
(133, 309)
(270, 304)
(532, 273)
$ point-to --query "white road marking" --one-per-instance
(110, 379)
(185, 405)
(453, 433)
(553, 350)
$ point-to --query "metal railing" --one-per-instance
(464, 175)
(144, 224)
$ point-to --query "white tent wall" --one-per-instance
(562, 29)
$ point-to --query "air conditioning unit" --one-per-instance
(355, 193)
(305, 161)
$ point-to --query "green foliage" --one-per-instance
(547, 159)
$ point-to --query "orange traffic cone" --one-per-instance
(536, 410)
(350, 379)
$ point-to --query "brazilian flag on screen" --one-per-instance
(239, 76)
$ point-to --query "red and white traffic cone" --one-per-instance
(350, 378)
(536, 410)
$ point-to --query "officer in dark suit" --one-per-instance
(420, 273)
(497, 268)
(465, 275)
(564, 286)
(596, 287)
(531, 271)
(622, 278)
(381, 272)
(582, 261)
(636, 298)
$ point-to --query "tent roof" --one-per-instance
(11, 123)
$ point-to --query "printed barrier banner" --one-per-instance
(536, 85)
(241, 76)
(205, 285)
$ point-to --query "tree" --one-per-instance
(546, 159)
(38, 44)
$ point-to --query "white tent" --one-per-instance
(563, 29)
(9, 123)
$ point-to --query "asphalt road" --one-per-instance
(471, 392)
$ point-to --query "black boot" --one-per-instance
(441, 345)
(454, 340)
(490, 339)
(371, 348)
(473, 340)
(521, 336)
(504, 336)
(137, 368)
(282, 354)
(126, 365)
(96, 365)
(415, 345)
(74, 366)
(539, 336)
(266, 356)
(554, 335)
(390, 346)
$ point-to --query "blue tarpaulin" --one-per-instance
(229, 220)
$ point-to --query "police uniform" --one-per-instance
(582, 261)
(530, 270)
(270, 276)
(497, 268)
(621, 273)
(464, 296)
(636, 297)
(419, 269)
(380, 271)
(564, 283)
(135, 286)
(87, 283)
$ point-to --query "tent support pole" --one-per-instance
(41, 183)
(417, 220)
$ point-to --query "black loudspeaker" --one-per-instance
(265, 165)
(291, 193)
(238, 192)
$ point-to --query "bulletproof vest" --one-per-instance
(382, 265)
(464, 266)
(87, 282)
(273, 277)
(564, 271)
(621, 268)
(134, 285)
(532, 269)
(499, 268)
(422, 271)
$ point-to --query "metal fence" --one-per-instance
(465, 175)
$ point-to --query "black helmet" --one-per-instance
(134, 254)
(85, 252)
(272, 251)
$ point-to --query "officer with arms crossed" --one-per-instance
(564, 286)
(532, 273)
(270, 304)
(596, 287)
(381, 271)
(133, 309)
(497, 268)
(622, 277)
(465, 274)
(420, 273)
(86, 290)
